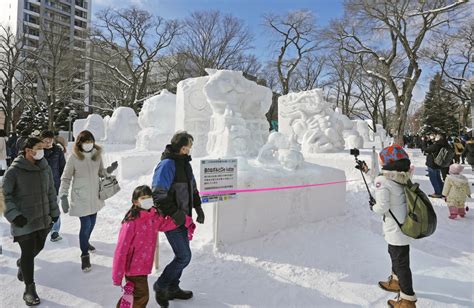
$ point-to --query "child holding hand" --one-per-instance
(134, 254)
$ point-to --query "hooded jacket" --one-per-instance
(390, 195)
(174, 187)
(81, 176)
(469, 151)
(57, 162)
(456, 188)
(136, 243)
(29, 191)
(433, 150)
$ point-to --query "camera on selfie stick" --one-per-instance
(362, 167)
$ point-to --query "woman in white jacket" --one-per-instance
(83, 169)
(390, 200)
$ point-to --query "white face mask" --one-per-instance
(87, 147)
(39, 155)
(146, 204)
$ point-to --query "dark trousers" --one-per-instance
(178, 239)
(435, 179)
(400, 256)
(457, 158)
(30, 248)
(87, 225)
(140, 291)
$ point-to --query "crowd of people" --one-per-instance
(39, 175)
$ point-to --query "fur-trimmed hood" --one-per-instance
(96, 152)
(397, 176)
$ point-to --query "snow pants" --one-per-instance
(400, 256)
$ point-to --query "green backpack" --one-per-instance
(420, 221)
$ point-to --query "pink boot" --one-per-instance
(127, 298)
(453, 212)
(461, 212)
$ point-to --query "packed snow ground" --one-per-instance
(333, 263)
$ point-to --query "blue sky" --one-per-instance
(251, 11)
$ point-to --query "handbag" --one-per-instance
(108, 187)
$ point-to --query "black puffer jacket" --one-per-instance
(56, 160)
(469, 152)
(433, 150)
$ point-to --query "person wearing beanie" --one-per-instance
(390, 200)
(457, 190)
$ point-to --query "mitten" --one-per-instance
(20, 221)
(64, 203)
(200, 215)
(112, 167)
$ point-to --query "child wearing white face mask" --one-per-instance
(134, 254)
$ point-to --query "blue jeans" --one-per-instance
(87, 225)
(56, 225)
(178, 239)
(435, 179)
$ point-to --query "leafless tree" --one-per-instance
(130, 41)
(213, 40)
(310, 73)
(11, 48)
(295, 38)
(407, 24)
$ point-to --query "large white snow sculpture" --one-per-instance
(279, 150)
(363, 129)
(95, 124)
(78, 126)
(123, 126)
(238, 124)
(308, 116)
(351, 136)
(193, 112)
(157, 120)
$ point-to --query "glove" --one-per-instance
(112, 167)
(200, 213)
(55, 219)
(371, 202)
(179, 218)
(65, 204)
(20, 221)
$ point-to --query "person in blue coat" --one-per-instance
(175, 194)
(56, 160)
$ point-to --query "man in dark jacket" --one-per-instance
(469, 152)
(175, 194)
(31, 208)
(434, 171)
(55, 157)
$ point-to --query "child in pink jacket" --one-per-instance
(134, 254)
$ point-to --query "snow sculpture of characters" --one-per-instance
(308, 116)
(95, 124)
(279, 150)
(238, 125)
(123, 126)
(157, 122)
(193, 112)
(363, 129)
(78, 126)
(351, 136)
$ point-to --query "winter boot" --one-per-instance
(453, 212)
(391, 285)
(179, 293)
(461, 212)
(161, 296)
(30, 296)
(86, 263)
(55, 237)
(19, 274)
(91, 248)
(403, 301)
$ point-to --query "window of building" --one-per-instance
(80, 24)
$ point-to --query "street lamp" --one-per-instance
(70, 118)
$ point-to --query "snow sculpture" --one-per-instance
(351, 136)
(123, 126)
(308, 116)
(78, 126)
(193, 113)
(363, 129)
(279, 150)
(238, 125)
(157, 120)
(95, 124)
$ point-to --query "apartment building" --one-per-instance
(27, 18)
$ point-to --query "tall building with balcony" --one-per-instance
(27, 19)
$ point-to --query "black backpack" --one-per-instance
(445, 157)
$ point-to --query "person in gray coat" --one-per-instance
(80, 178)
(31, 208)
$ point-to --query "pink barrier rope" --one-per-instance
(236, 191)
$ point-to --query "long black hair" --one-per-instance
(134, 211)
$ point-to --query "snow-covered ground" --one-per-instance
(333, 263)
